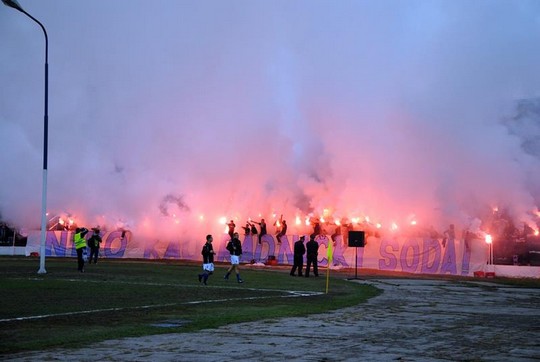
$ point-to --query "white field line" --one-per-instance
(290, 294)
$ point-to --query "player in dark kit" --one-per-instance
(208, 260)
(234, 246)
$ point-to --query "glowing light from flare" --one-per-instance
(61, 221)
(355, 220)
(379, 225)
(413, 222)
(394, 226)
(201, 217)
(278, 224)
(489, 239)
(321, 219)
(298, 220)
(337, 222)
(223, 220)
(536, 233)
(367, 218)
(307, 222)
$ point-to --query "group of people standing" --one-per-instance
(311, 249)
(81, 246)
(251, 229)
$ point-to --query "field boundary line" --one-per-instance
(289, 294)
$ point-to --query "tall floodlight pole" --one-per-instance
(15, 5)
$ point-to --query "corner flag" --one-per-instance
(330, 252)
(330, 257)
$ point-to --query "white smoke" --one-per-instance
(392, 110)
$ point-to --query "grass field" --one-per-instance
(122, 298)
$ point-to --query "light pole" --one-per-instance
(15, 5)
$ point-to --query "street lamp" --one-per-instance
(15, 5)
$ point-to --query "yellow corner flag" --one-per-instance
(330, 257)
(329, 252)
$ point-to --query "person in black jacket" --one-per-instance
(93, 243)
(234, 246)
(312, 247)
(299, 251)
(262, 224)
(208, 260)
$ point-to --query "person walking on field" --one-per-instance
(80, 246)
(299, 251)
(94, 242)
(312, 248)
(208, 259)
(234, 246)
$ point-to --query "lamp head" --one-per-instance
(13, 4)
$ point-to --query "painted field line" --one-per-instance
(290, 294)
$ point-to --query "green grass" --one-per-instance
(122, 298)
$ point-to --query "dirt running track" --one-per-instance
(413, 320)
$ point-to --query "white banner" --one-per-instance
(401, 254)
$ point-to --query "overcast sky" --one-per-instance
(394, 110)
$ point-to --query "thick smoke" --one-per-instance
(166, 116)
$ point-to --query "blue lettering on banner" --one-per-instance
(339, 249)
(172, 251)
(431, 251)
(109, 252)
(268, 240)
(247, 248)
(150, 251)
(285, 251)
(52, 243)
(414, 257)
(449, 258)
(466, 261)
(390, 261)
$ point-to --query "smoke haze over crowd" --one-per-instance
(166, 116)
